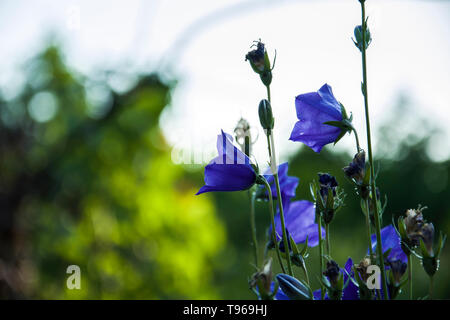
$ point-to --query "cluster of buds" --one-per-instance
(260, 63)
(416, 232)
(327, 197)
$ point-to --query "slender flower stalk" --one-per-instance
(274, 167)
(410, 277)
(369, 232)
(305, 271)
(369, 148)
(319, 224)
(252, 196)
(327, 235)
(430, 296)
(268, 94)
(357, 140)
(272, 217)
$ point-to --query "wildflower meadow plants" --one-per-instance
(298, 226)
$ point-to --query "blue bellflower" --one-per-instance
(299, 221)
(313, 109)
(390, 240)
(231, 170)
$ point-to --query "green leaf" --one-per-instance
(343, 111)
(330, 199)
(294, 246)
(424, 250)
(305, 247)
(401, 227)
(441, 243)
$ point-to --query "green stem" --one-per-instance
(271, 145)
(319, 223)
(252, 196)
(283, 226)
(369, 232)
(410, 277)
(357, 140)
(327, 235)
(430, 296)
(369, 148)
(272, 217)
(306, 273)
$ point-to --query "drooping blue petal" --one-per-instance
(390, 240)
(288, 184)
(231, 170)
(299, 219)
(313, 109)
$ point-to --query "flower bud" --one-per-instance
(265, 115)
(293, 288)
(427, 232)
(256, 58)
(327, 181)
(356, 170)
(413, 224)
(430, 257)
(359, 37)
(259, 61)
(398, 269)
(332, 272)
(329, 201)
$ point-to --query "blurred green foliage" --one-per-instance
(92, 184)
(86, 178)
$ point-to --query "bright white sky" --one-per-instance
(204, 44)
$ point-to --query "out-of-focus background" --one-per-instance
(110, 109)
